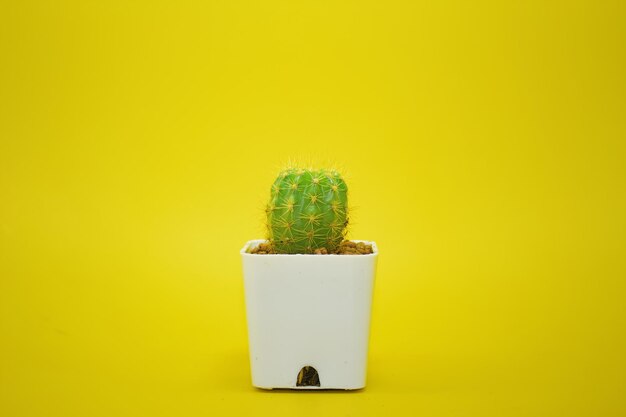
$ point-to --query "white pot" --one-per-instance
(308, 314)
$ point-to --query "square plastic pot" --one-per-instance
(308, 318)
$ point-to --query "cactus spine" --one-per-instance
(307, 211)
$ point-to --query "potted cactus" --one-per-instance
(308, 291)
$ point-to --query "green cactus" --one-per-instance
(307, 211)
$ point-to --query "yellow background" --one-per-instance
(483, 142)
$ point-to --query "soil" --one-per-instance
(347, 247)
(308, 377)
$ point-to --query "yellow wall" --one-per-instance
(483, 142)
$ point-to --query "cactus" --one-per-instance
(307, 211)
